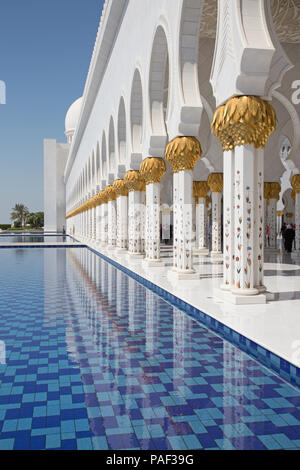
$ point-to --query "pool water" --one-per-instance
(94, 360)
(33, 238)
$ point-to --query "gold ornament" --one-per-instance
(120, 188)
(110, 193)
(208, 200)
(209, 213)
(153, 169)
(267, 191)
(182, 153)
(94, 201)
(289, 215)
(103, 196)
(200, 189)
(134, 181)
(279, 213)
(215, 182)
(275, 189)
(295, 182)
(244, 120)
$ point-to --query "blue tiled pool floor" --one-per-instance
(96, 361)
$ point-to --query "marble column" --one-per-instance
(266, 212)
(104, 219)
(296, 186)
(112, 218)
(94, 221)
(215, 183)
(98, 221)
(275, 189)
(136, 185)
(228, 220)
(243, 125)
(152, 170)
(200, 190)
(279, 221)
(182, 154)
(122, 214)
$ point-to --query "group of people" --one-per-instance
(287, 233)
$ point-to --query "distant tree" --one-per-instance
(35, 219)
(19, 214)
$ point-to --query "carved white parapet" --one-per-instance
(249, 59)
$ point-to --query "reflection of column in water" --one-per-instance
(179, 333)
(132, 285)
(151, 309)
(121, 292)
(111, 284)
(54, 275)
(233, 387)
(97, 271)
(104, 278)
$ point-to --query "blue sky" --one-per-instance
(45, 51)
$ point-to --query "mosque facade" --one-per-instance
(188, 130)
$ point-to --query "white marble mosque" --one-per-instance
(188, 131)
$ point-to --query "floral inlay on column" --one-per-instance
(152, 170)
(215, 183)
(182, 153)
(135, 184)
(112, 216)
(243, 126)
(121, 190)
(200, 190)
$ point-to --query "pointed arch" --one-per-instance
(159, 82)
(111, 146)
(103, 157)
(136, 114)
(122, 132)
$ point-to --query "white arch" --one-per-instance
(97, 164)
(189, 51)
(159, 81)
(104, 157)
(122, 132)
(111, 146)
(136, 113)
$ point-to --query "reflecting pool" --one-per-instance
(94, 360)
(33, 238)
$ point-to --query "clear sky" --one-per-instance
(45, 51)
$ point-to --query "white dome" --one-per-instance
(72, 116)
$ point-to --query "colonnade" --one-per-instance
(125, 216)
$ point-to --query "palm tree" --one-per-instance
(19, 214)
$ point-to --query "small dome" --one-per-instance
(72, 116)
